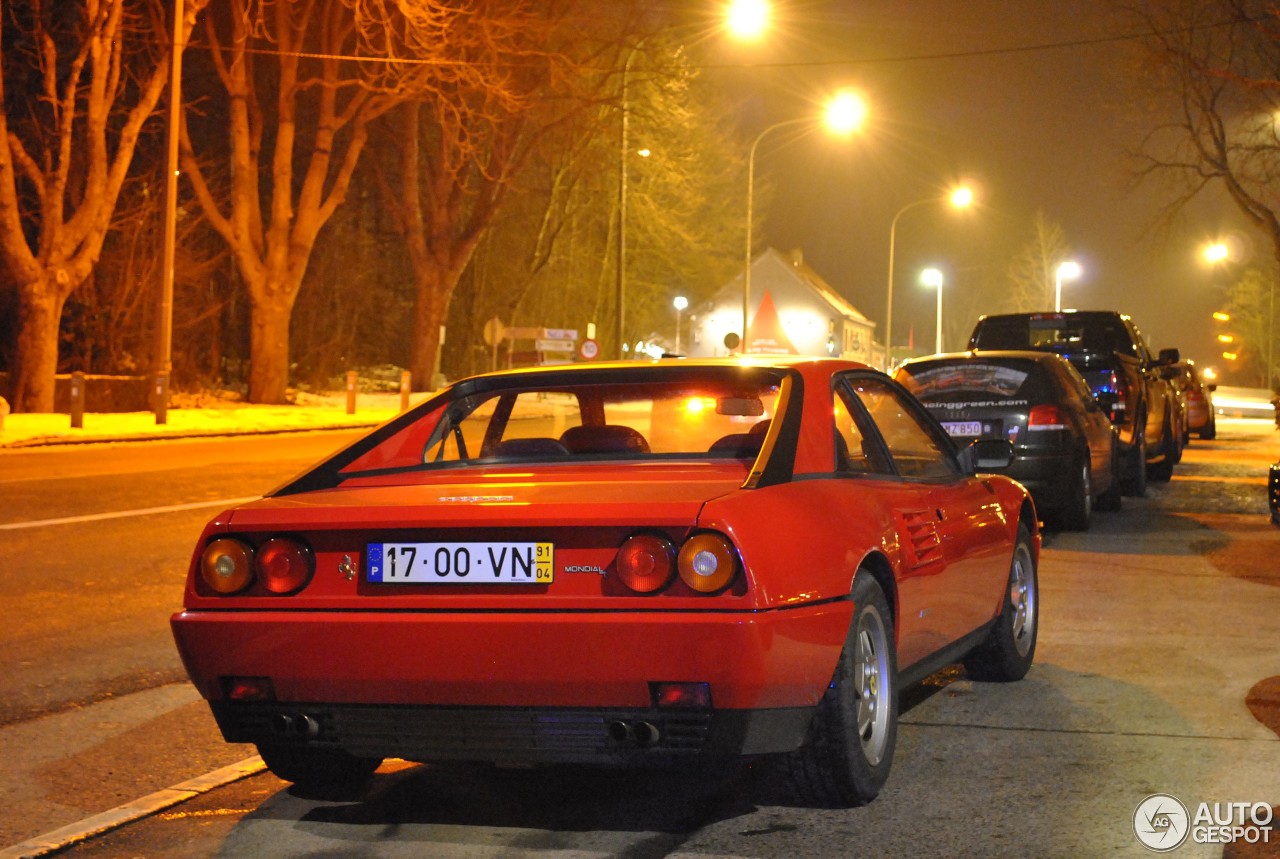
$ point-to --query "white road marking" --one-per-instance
(124, 514)
(131, 811)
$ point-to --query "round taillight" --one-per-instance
(283, 565)
(646, 562)
(227, 565)
(707, 562)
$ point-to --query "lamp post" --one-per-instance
(960, 198)
(746, 20)
(845, 114)
(932, 277)
(1066, 270)
(680, 304)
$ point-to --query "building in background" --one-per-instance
(793, 311)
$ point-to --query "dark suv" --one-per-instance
(1110, 352)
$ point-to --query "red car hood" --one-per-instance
(576, 496)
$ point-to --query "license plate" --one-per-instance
(962, 427)
(460, 563)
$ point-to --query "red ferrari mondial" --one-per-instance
(623, 564)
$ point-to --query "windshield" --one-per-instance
(1054, 332)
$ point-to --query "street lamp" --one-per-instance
(1066, 270)
(959, 198)
(932, 277)
(680, 304)
(845, 114)
(744, 19)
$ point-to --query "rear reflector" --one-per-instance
(681, 696)
(248, 689)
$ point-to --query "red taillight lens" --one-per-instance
(646, 563)
(227, 565)
(1046, 417)
(681, 696)
(283, 565)
(707, 562)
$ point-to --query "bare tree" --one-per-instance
(460, 152)
(1032, 271)
(77, 83)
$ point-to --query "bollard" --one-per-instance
(4, 410)
(161, 395)
(77, 400)
(351, 392)
(405, 377)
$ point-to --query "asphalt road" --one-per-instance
(1157, 624)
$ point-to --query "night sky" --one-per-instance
(1029, 100)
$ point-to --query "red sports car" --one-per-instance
(622, 564)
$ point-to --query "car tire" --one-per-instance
(1007, 653)
(310, 765)
(1134, 482)
(1210, 430)
(846, 756)
(1110, 500)
(1078, 512)
(1162, 471)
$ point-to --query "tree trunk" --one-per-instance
(433, 288)
(39, 312)
(269, 349)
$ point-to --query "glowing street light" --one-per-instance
(680, 304)
(1215, 252)
(959, 198)
(747, 19)
(845, 114)
(1067, 270)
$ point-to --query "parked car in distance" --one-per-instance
(1064, 444)
(1201, 418)
(1130, 382)
(625, 564)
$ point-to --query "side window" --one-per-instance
(855, 453)
(916, 451)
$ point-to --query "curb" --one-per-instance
(82, 830)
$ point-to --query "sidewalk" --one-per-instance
(205, 418)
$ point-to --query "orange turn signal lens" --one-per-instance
(227, 565)
(708, 562)
(646, 563)
(284, 565)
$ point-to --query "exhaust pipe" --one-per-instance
(295, 725)
(646, 734)
(642, 734)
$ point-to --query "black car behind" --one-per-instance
(1064, 444)
(1131, 382)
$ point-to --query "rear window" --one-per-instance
(1053, 332)
(975, 382)
(585, 416)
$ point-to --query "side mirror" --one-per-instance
(986, 454)
(1169, 356)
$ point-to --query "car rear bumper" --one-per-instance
(522, 686)
(1049, 478)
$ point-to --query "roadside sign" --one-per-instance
(560, 334)
(494, 331)
(516, 332)
(550, 345)
(589, 349)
